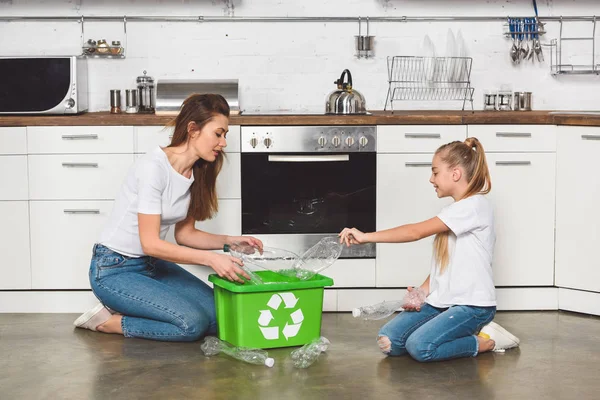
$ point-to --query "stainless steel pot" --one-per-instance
(345, 100)
(523, 101)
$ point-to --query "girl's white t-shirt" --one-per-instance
(152, 186)
(468, 278)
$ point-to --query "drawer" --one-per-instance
(13, 140)
(62, 236)
(13, 178)
(148, 137)
(15, 271)
(77, 176)
(515, 138)
(79, 139)
(417, 138)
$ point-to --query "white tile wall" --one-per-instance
(293, 65)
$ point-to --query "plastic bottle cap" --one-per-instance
(269, 362)
(356, 313)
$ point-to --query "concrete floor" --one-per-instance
(42, 356)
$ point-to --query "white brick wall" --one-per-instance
(293, 65)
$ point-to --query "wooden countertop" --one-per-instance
(414, 117)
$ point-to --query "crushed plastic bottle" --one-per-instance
(318, 257)
(306, 355)
(255, 279)
(270, 259)
(213, 346)
(414, 298)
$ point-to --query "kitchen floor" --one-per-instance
(42, 356)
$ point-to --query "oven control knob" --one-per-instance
(363, 141)
(349, 141)
(253, 142)
(70, 103)
(336, 141)
(268, 142)
(322, 141)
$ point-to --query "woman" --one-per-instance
(133, 271)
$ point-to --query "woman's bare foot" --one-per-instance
(113, 325)
(485, 344)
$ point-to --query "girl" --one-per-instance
(133, 268)
(460, 291)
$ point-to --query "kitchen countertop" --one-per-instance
(413, 117)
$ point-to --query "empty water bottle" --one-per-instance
(270, 258)
(213, 346)
(318, 257)
(306, 355)
(414, 298)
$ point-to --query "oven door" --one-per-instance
(292, 200)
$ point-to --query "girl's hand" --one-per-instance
(412, 307)
(351, 236)
(247, 240)
(228, 267)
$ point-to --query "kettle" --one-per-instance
(345, 100)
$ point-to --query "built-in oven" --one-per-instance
(302, 183)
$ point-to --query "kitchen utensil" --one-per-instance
(346, 99)
(145, 86)
(522, 101)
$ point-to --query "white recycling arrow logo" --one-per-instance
(265, 318)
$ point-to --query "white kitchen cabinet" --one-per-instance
(13, 140)
(79, 139)
(62, 236)
(13, 177)
(523, 194)
(578, 208)
(15, 268)
(417, 138)
(148, 137)
(77, 176)
(404, 195)
(515, 138)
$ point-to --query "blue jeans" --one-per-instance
(435, 334)
(158, 299)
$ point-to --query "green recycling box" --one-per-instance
(283, 312)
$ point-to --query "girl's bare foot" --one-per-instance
(485, 344)
(113, 325)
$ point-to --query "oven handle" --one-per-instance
(315, 158)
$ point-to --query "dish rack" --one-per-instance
(429, 78)
(558, 66)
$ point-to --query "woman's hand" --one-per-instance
(351, 236)
(228, 267)
(247, 240)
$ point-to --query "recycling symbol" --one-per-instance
(296, 317)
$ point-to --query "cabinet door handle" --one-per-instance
(417, 164)
(590, 137)
(309, 158)
(91, 136)
(513, 162)
(513, 134)
(422, 135)
(81, 211)
(79, 165)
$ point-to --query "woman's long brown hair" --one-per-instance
(200, 109)
(471, 157)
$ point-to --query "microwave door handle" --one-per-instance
(309, 158)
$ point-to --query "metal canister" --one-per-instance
(131, 101)
(145, 87)
(523, 101)
(115, 101)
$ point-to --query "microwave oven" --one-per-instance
(43, 85)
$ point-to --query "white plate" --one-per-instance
(450, 52)
(428, 51)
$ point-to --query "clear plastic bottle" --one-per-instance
(306, 355)
(318, 257)
(413, 298)
(270, 259)
(213, 346)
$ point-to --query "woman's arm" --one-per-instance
(186, 234)
(149, 228)
(399, 234)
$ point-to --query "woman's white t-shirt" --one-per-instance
(152, 186)
(468, 278)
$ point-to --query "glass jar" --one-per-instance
(145, 87)
(489, 100)
(102, 47)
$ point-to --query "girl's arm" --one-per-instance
(186, 234)
(400, 234)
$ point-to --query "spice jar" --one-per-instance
(102, 46)
(116, 47)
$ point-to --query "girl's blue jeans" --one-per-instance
(435, 334)
(158, 299)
